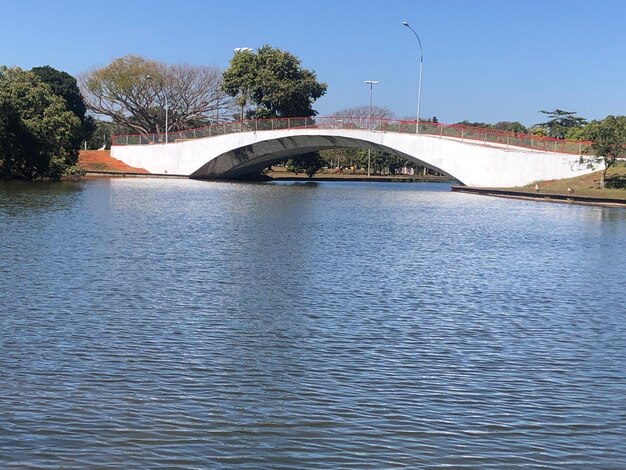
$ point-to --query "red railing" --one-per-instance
(485, 136)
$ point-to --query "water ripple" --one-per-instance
(182, 324)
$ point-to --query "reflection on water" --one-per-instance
(174, 323)
(18, 197)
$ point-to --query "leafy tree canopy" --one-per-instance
(37, 131)
(274, 81)
(608, 140)
(64, 85)
(380, 161)
(103, 132)
(560, 123)
(474, 124)
(509, 126)
(309, 163)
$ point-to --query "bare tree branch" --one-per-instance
(136, 92)
(378, 112)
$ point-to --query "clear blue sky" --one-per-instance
(483, 60)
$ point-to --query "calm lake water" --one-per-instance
(152, 323)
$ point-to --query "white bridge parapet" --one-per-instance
(234, 155)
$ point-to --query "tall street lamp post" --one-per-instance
(167, 107)
(371, 83)
(419, 88)
(243, 98)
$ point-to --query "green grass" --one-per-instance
(587, 185)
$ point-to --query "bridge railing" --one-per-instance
(485, 136)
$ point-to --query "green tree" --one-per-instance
(538, 131)
(576, 133)
(608, 141)
(511, 126)
(467, 123)
(37, 131)
(560, 123)
(65, 86)
(104, 130)
(274, 81)
(339, 157)
(17, 145)
(309, 163)
(381, 162)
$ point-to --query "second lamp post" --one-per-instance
(419, 87)
(371, 83)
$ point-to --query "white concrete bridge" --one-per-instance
(475, 157)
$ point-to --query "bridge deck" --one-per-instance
(484, 136)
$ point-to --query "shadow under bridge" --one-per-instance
(252, 158)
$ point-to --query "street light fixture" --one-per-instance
(419, 89)
(167, 107)
(371, 83)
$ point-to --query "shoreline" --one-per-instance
(542, 197)
(493, 192)
(291, 177)
(100, 164)
(128, 174)
(361, 178)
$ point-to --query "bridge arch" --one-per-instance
(253, 158)
(233, 155)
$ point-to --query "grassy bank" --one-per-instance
(586, 185)
(581, 190)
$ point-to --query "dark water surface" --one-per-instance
(182, 324)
